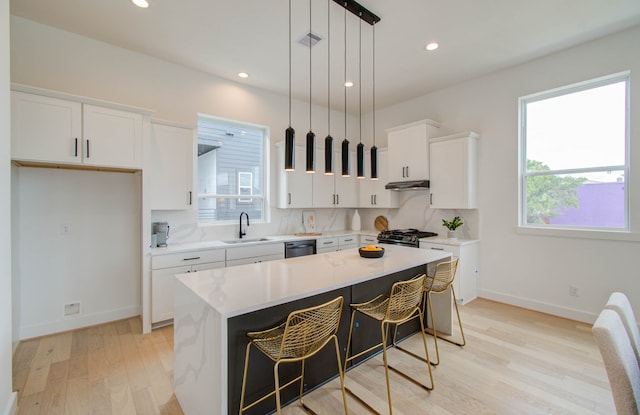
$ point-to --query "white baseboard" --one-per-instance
(57, 326)
(11, 408)
(554, 309)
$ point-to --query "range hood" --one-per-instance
(408, 185)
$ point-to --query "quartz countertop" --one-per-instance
(449, 241)
(172, 248)
(242, 289)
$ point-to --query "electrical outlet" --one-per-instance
(71, 309)
(65, 229)
(573, 291)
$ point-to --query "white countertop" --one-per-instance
(242, 289)
(201, 245)
(449, 241)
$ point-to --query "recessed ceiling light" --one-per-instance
(432, 46)
(141, 3)
(243, 74)
(348, 84)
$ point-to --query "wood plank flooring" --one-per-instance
(516, 362)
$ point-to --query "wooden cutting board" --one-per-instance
(381, 223)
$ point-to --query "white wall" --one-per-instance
(533, 271)
(7, 396)
(82, 66)
(527, 270)
(97, 263)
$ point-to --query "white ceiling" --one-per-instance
(225, 37)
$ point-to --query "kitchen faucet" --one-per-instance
(243, 233)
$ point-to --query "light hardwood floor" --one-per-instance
(516, 362)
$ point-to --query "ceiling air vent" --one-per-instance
(310, 39)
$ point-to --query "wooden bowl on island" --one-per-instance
(371, 251)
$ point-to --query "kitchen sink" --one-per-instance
(242, 241)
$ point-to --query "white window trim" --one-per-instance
(625, 234)
(266, 169)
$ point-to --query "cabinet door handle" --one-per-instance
(348, 240)
(375, 199)
(191, 259)
(289, 202)
(437, 249)
(75, 152)
(337, 199)
(403, 172)
(371, 199)
(87, 148)
(407, 171)
(190, 199)
(431, 198)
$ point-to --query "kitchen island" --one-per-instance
(213, 310)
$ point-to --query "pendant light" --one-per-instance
(345, 143)
(289, 140)
(374, 149)
(311, 137)
(328, 141)
(360, 146)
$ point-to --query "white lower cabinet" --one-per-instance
(166, 267)
(328, 244)
(466, 280)
(366, 240)
(254, 253)
(348, 242)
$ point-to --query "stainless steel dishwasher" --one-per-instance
(299, 248)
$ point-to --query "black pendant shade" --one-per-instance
(290, 149)
(374, 163)
(328, 155)
(311, 154)
(345, 158)
(360, 161)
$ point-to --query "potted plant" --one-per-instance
(452, 225)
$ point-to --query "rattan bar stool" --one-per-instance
(438, 284)
(305, 333)
(403, 304)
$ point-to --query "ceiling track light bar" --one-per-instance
(359, 10)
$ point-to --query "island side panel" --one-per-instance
(442, 304)
(318, 369)
(200, 354)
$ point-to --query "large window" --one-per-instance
(574, 156)
(231, 170)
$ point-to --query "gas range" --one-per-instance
(405, 237)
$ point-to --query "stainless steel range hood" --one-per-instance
(408, 185)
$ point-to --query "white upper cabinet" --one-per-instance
(172, 151)
(331, 191)
(295, 188)
(52, 129)
(45, 129)
(112, 138)
(372, 192)
(453, 164)
(409, 150)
